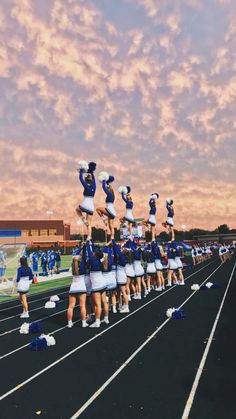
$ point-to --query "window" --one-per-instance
(25, 233)
(34, 232)
(44, 232)
(52, 232)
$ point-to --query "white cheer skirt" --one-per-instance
(129, 215)
(110, 279)
(78, 285)
(151, 268)
(178, 262)
(121, 275)
(138, 268)
(158, 264)
(23, 284)
(87, 205)
(98, 282)
(171, 264)
(152, 219)
(110, 209)
(170, 221)
(129, 270)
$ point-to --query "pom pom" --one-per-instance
(169, 312)
(103, 176)
(123, 189)
(49, 339)
(175, 313)
(54, 298)
(50, 304)
(35, 327)
(155, 195)
(24, 330)
(83, 165)
(111, 179)
(195, 287)
(38, 344)
(168, 200)
(209, 284)
(128, 189)
(91, 167)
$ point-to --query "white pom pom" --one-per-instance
(123, 189)
(24, 330)
(170, 311)
(103, 176)
(82, 164)
(168, 200)
(195, 287)
(50, 339)
(54, 298)
(209, 284)
(50, 304)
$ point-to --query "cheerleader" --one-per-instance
(98, 284)
(125, 193)
(23, 277)
(89, 184)
(139, 271)
(151, 272)
(152, 220)
(178, 262)
(78, 288)
(194, 256)
(121, 261)
(169, 224)
(108, 213)
(158, 254)
(109, 274)
(171, 267)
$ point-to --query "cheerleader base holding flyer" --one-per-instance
(151, 219)
(169, 224)
(108, 213)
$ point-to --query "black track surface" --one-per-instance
(155, 384)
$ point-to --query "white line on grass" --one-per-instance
(128, 360)
(14, 389)
(191, 396)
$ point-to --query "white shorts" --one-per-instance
(110, 279)
(78, 285)
(110, 209)
(129, 215)
(152, 219)
(171, 264)
(98, 281)
(129, 270)
(138, 268)
(178, 262)
(151, 268)
(87, 205)
(121, 275)
(159, 266)
(23, 284)
(170, 221)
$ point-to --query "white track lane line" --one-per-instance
(64, 327)
(14, 389)
(191, 396)
(128, 360)
(30, 302)
(17, 328)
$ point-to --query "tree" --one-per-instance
(223, 229)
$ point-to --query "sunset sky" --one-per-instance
(145, 88)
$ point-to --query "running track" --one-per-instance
(142, 365)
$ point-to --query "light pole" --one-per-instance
(49, 213)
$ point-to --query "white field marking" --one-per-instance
(191, 396)
(14, 389)
(64, 327)
(30, 302)
(43, 318)
(128, 360)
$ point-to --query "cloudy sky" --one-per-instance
(146, 88)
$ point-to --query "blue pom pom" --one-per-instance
(128, 189)
(35, 327)
(111, 179)
(38, 344)
(178, 314)
(92, 167)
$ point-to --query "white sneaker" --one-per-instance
(182, 283)
(24, 315)
(129, 297)
(124, 310)
(114, 310)
(84, 323)
(163, 287)
(139, 296)
(95, 324)
(159, 288)
(106, 320)
(168, 284)
(70, 324)
(135, 297)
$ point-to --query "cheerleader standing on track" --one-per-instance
(151, 268)
(109, 274)
(159, 254)
(89, 185)
(170, 214)
(139, 271)
(179, 265)
(23, 277)
(125, 193)
(78, 288)
(98, 285)
(121, 260)
(152, 220)
(109, 211)
(171, 265)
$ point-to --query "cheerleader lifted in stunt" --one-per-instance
(125, 193)
(169, 224)
(152, 220)
(89, 184)
(108, 213)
